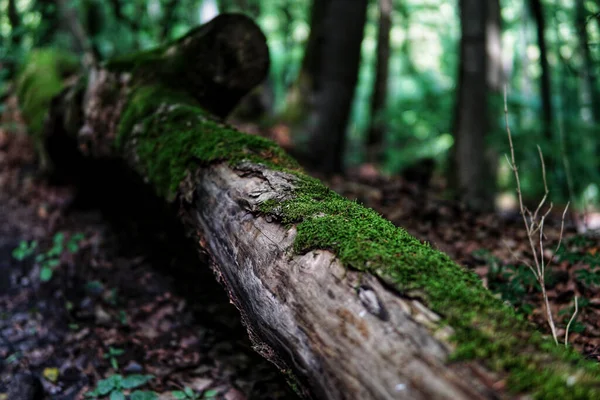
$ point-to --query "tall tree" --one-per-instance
(496, 74)
(168, 19)
(15, 23)
(496, 78)
(470, 175)
(589, 86)
(340, 59)
(49, 22)
(545, 92)
(377, 127)
(300, 96)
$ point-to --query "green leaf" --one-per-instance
(140, 395)
(55, 251)
(209, 394)
(24, 250)
(52, 262)
(117, 395)
(178, 394)
(78, 237)
(133, 381)
(73, 243)
(114, 351)
(46, 274)
(189, 392)
(105, 386)
(59, 239)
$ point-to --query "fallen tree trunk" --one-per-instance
(346, 304)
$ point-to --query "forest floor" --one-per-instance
(97, 302)
(113, 312)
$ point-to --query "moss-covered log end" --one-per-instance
(171, 134)
(42, 78)
(216, 64)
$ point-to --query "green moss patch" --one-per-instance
(173, 134)
(40, 80)
(485, 328)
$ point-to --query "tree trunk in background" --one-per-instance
(470, 176)
(49, 24)
(340, 56)
(15, 23)
(300, 96)
(588, 79)
(496, 80)
(496, 75)
(377, 126)
(71, 22)
(10, 61)
(168, 19)
(538, 16)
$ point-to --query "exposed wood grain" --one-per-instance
(342, 332)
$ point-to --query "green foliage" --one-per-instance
(193, 137)
(50, 259)
(582, 250)
(40, 80)
(24, 250)
(114, 385)
(112, 355)
(188, 394)
(511, 282)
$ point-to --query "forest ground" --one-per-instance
(115, 303)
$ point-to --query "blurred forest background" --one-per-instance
(387, 83)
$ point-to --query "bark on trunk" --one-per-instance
(470, 175)
(300, 97)
(339, 299)
(377, 126)
(340, 57)
(545, 92)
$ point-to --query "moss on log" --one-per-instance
(233, 187)
(41, 79)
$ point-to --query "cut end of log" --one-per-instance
(230, 55)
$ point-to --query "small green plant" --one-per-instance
(582, 250)
(189, 394)
(24, 250)
(49, 260)
(511, 282)
(122, 317)
(114, 385)
(185, 394)
(112, 355)
(209, 394)
(13, 358)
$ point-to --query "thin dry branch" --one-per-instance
(534, 225)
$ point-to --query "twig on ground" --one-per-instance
(569, 324)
